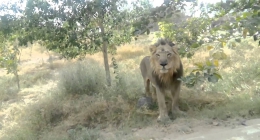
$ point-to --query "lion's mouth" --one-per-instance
(163, 70)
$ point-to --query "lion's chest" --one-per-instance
(164, 87)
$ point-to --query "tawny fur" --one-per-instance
(163, 69)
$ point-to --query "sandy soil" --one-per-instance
(248, 130)
(191, 129)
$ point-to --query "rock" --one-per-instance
(185, 130)
(145, 102)
(215, 123)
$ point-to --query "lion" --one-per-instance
(163, 69)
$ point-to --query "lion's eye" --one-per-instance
(158, 55)
(169, 54)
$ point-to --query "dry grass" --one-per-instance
(82, 99)
(86, 77)
(8, 88)
(238, 93)
(130, 52)
(81, 106)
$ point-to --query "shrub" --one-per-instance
(82, 78)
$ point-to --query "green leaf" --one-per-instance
(199, 65)
(238, 40)
(219, 55)
(213, 78)
(209, 63)
(195, 45)
(189, 55)
(246, 14)
(217, 75)
(216, 63)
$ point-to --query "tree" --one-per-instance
(9, 51)
(147, 18)
(76, 27)
(246, 14)
(9, 58)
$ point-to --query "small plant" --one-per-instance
(202, 71)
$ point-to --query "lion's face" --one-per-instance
(164, 58)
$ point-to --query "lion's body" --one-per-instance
(163, 69)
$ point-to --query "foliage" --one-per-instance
(74, 28)
(186, 35)
(9, 58)
(246, 14)
(202, 71)
(146, 16)
(193, 33)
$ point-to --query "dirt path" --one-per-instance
(245, 130)
(192, 129)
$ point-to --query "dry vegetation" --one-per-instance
(68, 100)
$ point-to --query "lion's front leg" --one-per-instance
(154, 93)
(175, 101)
(163, 113)
(147, 88)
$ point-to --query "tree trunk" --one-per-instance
(17, 80)
(105, 56)
(15, 67)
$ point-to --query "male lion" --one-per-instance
(162, 69)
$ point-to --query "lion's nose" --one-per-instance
(163, 64)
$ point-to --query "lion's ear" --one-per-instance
(152, 49)
(171, 44)
(175, 49)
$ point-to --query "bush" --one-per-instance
(82, 78)
(128, 85)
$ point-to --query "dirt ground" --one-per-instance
(180, 129)
(248, 130)
(184, 129)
